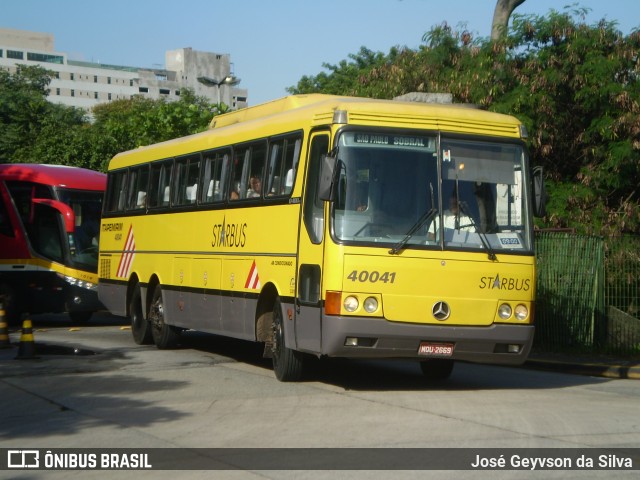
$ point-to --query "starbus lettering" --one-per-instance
(229, 234)
(505, 283)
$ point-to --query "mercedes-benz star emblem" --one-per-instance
(441, 311)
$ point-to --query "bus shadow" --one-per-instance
(62, 320)
(391, 375)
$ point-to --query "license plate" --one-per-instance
(430, 349)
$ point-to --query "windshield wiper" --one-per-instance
(483, 236)
(428, 215)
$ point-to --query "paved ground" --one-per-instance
(217, 393)
(597, 366)
(592, 365)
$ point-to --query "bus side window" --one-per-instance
(258, 162)
(313, 206)
(116, 191)
(283, 159)
(131, 189)
(191, 178)
(141, 188)
(179, 180)
(291, 159)
(165, 183)
(214, 176)
(154, 181)
(240, 173)
(159, 189)
(137, 188)
(248, 169)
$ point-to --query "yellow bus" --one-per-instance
(330, 226)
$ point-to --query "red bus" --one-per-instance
(49, 228)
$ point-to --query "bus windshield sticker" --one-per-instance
(509, 240)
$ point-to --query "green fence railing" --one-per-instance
(588, 294)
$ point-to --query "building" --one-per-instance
(86, 84)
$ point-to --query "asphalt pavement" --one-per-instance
(23, 347)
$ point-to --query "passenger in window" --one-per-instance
(256, 188)
(234, 195)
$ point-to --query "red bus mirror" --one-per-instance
(65, 210)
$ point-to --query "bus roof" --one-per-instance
(360, 108)
(54, 175)
(297, 112)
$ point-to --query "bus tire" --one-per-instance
(287, 363)
(164, 336)
(140, 328)
(436, 369)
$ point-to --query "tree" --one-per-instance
(143, 121)
(23, 106)
(34, 130)
(501, 14)
(574, 86)
(345, 78)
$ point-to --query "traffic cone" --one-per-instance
(4, 329)
(27, 348)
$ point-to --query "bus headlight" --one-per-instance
(370, 305)
(351, 304)
(76, 282)
(521, 312)
(504, 312)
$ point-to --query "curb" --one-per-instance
(619, 371)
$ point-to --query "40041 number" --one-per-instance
(374, 276)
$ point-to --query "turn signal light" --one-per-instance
(333, 303)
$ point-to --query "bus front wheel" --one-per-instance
(436, 369)
(164, 336)
(140, 328)
(287, 363)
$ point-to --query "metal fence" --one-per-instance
(588, 294)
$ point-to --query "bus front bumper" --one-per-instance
(357, 337)
(80, 299)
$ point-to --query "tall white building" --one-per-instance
(86, 84)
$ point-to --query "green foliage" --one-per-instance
(34, 130)
(141, 121)
(346, 77)
(24, 111)
(575, 86)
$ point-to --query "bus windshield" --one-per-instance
(402, 191)
(83, 243)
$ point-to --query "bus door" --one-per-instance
(310, 253)
(14, 243)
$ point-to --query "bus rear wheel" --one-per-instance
(287, 363)
(140, 328)
(436, 369)
(164, 336)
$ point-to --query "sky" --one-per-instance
(272, 43)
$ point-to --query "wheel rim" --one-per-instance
(278, 340)
(156, 313)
